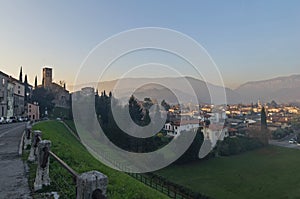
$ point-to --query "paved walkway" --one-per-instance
(13, 181)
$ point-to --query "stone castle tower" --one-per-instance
(61, 95)
(47, 77)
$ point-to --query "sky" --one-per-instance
(248, 40)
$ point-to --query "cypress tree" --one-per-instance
(26, 81)
(35, 82)
(26, 89)
(264, 127)
(263, 119)
(21, 75)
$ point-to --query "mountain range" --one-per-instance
(281, 89)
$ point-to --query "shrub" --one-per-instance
(236, 145)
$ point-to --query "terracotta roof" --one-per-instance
(216, 127)
(186, 122)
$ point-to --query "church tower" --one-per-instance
(47, 77)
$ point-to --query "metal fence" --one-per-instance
(172, 190)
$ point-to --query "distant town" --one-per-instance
(21, 101)
(241, 120)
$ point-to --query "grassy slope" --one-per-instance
(270, 172)
(71, 124)
(73, 153)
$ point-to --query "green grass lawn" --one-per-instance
(270, 172)
(69, 149)
(70, 124)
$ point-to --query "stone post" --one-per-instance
(42, 172)
(28, 137)
(92, 185)
(34, 145)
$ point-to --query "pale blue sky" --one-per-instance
(248, 40)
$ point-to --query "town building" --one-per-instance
(3, 94)
(47, 77)
(212, 132)
(61, 95)
(14, 95)
(33, 113)
(174, 129)
(10, 98)
(19, 97)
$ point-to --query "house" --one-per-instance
(3, 94)
(33, 113)
(10, 98)
(175, 128)
(19, 97)
(212, 132)
(217, 117)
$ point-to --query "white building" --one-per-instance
(217, 117)
(174, 129)
(212, 133)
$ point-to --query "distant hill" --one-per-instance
(280, 89)
(160, 92)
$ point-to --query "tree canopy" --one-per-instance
(44, 98)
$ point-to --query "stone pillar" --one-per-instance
(92, 185)
(42, 172)
(34, 145)
(28, 137)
